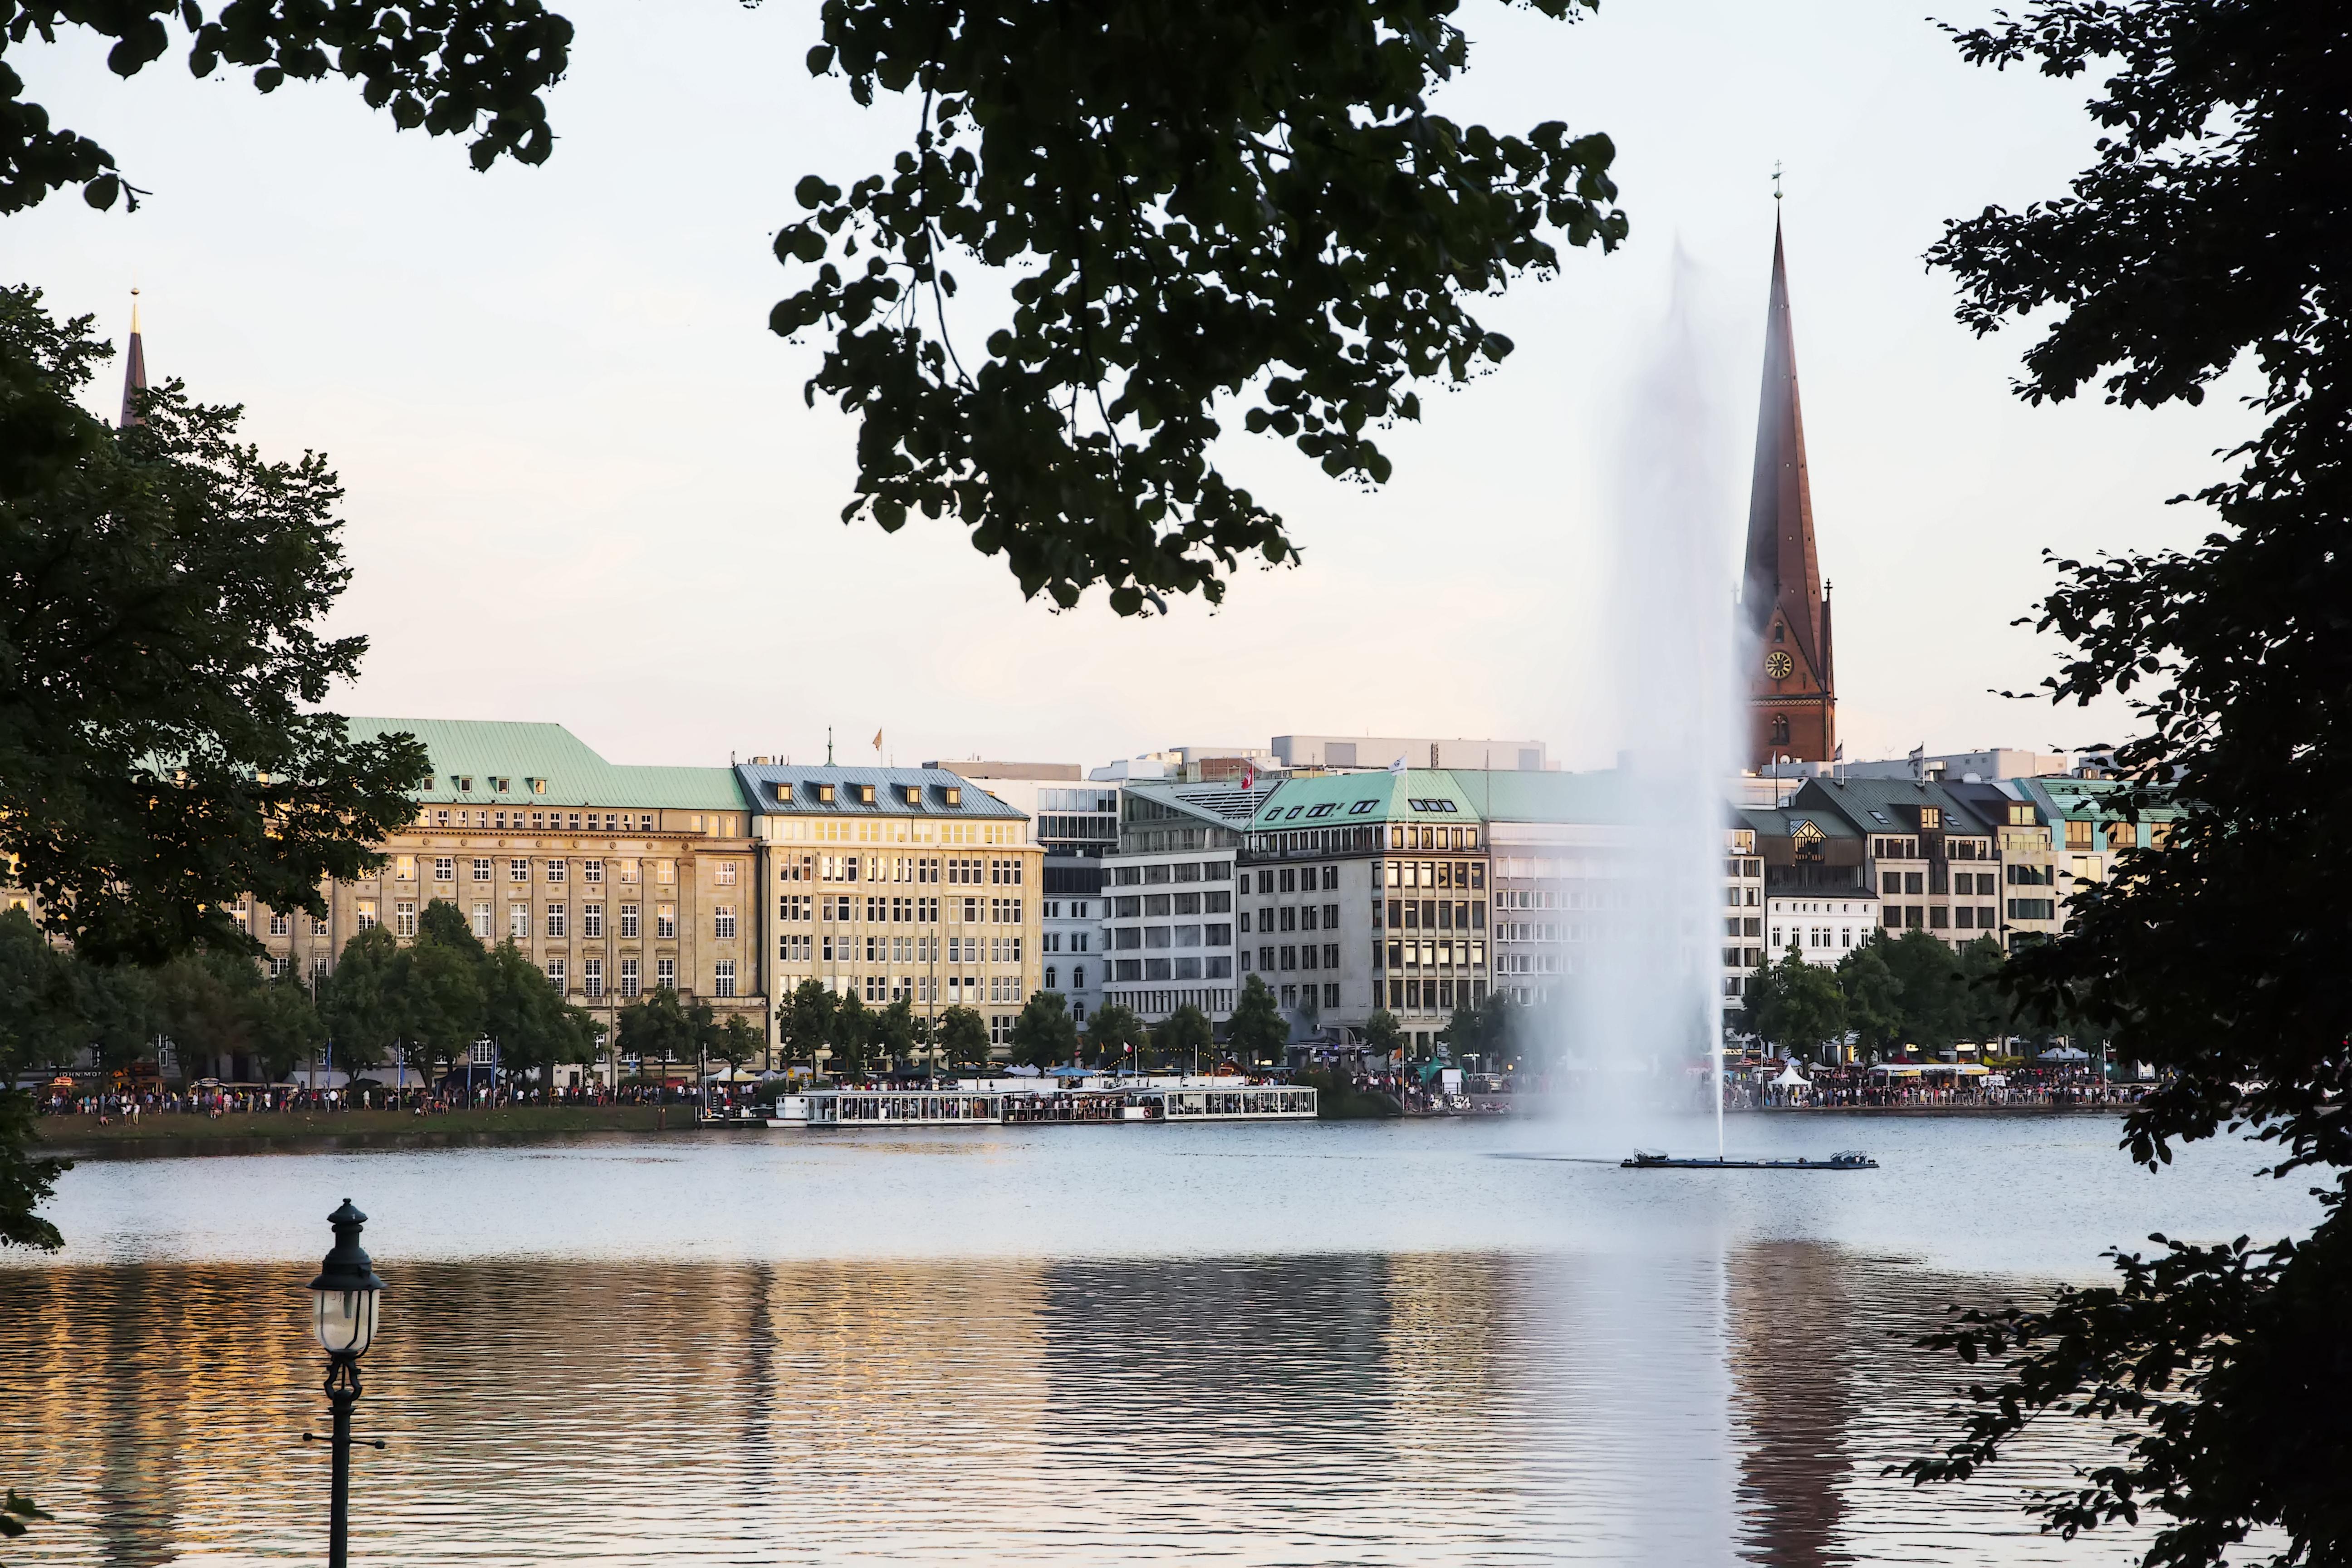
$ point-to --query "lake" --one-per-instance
(1400, 1343)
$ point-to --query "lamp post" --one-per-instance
(344, 1299)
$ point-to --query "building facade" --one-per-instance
(1817, 894)
(1369, 892)
(616, 881)
(1931, 856)
(897, 884)
(1075, 823)
(1341, 753)
(1171, 891)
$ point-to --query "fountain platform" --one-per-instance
(1846, 1160)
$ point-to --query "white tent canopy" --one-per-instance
(1791, 1078)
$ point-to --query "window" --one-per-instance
(665, 974)
(722, 978)
(481, 871)
(591, 974)
(629, 975)
(665, 921)
(628, 870)
(555, 870)
(280, 925)
(518, 921)
(403, 916)
(723, 874)
(445, 868)
(722, 924)
(482, 922)
(666, 872)
(592, 870)
(517, 870)
(556, 923)
(555, 974)
(592, 919)
(628, 920)
(2078, 835)
(367, 914)
(403, 868)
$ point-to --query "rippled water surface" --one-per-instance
(1279, 1344)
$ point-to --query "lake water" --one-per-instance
(1276, 1344)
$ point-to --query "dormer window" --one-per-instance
(824, 793)
(783, 790)
(428, 782)
(500, 786)
(537, 786)
(912, 795)
(954, 794)
(465, 784)
(865, 794)
(1931, 818)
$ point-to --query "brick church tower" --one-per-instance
(1791, 679)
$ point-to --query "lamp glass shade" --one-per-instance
(345, 1320)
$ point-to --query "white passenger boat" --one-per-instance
(1013, 1101)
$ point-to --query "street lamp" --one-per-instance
(343, 1300)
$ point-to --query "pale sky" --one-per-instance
(583, 485)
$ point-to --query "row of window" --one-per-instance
(1171, 872)
(484, 869)
(543, 821)
(1813, 936)
(1416, 995)
(1966, 884)
(833, 949)
(878, 908)
(1148, 906)
(1439, 914)
(592, 976)
(1066, 941)
(1438, 954)
(1212, 968)
(1307, 956)
(1301, 918)
(1965, 917)
(1216, 934)
(1077, 977)
(962, 869)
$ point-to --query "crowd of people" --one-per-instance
(135, 1103)
(2048, 1087)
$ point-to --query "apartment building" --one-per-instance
(1171, 890)
(897, 883)
(613, 879)
(1931, 856)
(1817, 893)
(2032, 905)
(1075, 823)
(1368, 891)
(2088, 830)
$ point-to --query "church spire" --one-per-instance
(1793, 686)
(134, 368)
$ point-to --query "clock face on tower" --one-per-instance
(1778, 664)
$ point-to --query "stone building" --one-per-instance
(893, 883)
(614, 880)
(1365, 891)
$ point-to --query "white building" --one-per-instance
(1076, 820)
(1171, 889)
(1343, 752)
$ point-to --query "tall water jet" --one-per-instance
(1645, 1017)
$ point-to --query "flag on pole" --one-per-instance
(877, 742)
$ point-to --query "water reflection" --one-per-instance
(1372, 1408)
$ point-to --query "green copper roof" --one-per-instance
(1607, 798)
(489, 752)
(1341, 800)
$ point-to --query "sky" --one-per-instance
(584, 485)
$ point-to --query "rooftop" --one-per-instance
(779, 789)
(511, 763)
